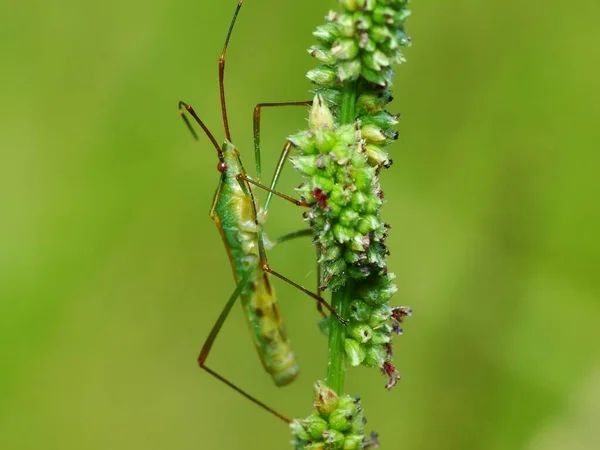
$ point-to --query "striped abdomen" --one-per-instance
(236, 218)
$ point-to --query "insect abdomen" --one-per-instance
(274, 347)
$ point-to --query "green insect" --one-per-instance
(240, 222)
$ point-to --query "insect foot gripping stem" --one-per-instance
(337, 423)
(318, 298)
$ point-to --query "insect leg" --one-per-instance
(256, 120)
(222, 71)
(301, 233)
(271, 191)
(319, 306)
(293, 235)
(183, 108)
(211, 339)
(317, 297)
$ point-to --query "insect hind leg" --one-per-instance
(208, 343)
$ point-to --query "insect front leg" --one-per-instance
(256, 121)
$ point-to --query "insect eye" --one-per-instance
(221, 167)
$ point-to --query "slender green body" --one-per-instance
(240, 224)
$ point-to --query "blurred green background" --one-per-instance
(111, 272)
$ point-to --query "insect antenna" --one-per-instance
(222, 72)
(183, 108)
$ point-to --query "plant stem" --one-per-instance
(347, 108)
(336, 369)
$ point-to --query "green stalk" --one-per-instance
(336, 367)
(347, 108)
(340, 157)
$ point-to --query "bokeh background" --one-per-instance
(111, 272)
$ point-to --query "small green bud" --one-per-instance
(339, 153)
(350, 404)
(315, 426)
(377, 155)
(342, 234)
(375, 60)
(372, 204)
(300, 140)
(350, 5)
(358, 423)
(336, 267)
(345, 25)
(378, 292)
(360, 332)
(334, 210)
(320, 115)
(340, 420)
(382, 119)
(375, 356)
(380, 315)
(326, 33)
(355, 352)
(314, 446)
(305, 193)
(334, 439)
(358, 201)
(360, 311)
(366, 5)
(372, 133)
(326, 399)
(380, 34)
(362, 22)
(381, 338)
(374, 76)
(367, 224)
(403, 39)
(358, 243)
(368, 44)
(323, 138)
(345, 49)
(323, 183)
(305, 164)
(384, 15)
(333, 252)
(330, 96)
(299, 430)
(349, 217)
(363, 179)
(321, 54)
(369, 103)
(348, 133)
(349, 70)
(352, 257)
(354, 442)
(323, 76)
